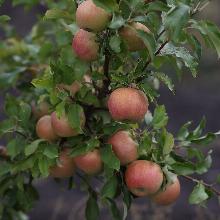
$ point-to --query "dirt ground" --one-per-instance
(194, 98)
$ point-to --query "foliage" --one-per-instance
(33, 66)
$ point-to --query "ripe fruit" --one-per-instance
(169, 195)
(65, 167)
(130, 36)
(89, 16)
(62, 127)
(85, 45)
(3, 152)
(143, 177)
(90, 163)
(44, 129)
(127, 104)
(40, 109)
(124, 147)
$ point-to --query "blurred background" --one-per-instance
(194, 98)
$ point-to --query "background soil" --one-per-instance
(194, 98)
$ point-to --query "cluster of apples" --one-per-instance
(142, 177)
(92, 19)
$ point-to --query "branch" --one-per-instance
(207, 185)
(87, 183)
(139, 79)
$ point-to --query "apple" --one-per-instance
(143, 177)
(85, 45)
(3, 152)
(124, 147)
(65, 167)
(169, 195)
(62, 127)
(130, 36)
(44, 129)
(89, 16)
(40, 109)
(90, 163)
(127, 104)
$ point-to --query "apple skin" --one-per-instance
(124, 147)
(62, 127)
(143, 177)
(90, 163)
(66, 166)
(44, 129)
(89, 16)
(85, 46)
(130, 36)
(169, 195)
(3, 152)
(41, 109)
(127, 104)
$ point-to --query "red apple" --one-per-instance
(90, 163)
(44, 129)
(89, 16)
(130, 36)
(124, 147)
(169, 195)
(127, 104)
(85, 45)
(62, 127)
(143, 177)
(65, 167)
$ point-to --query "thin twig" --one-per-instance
(207, 185)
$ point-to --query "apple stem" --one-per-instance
(207, 185)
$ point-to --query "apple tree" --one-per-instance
(81, 101)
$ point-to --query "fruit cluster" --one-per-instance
(142, 177)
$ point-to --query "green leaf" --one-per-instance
(117, 21)
(31, 148)
(198, 195)
(57, 14)
(183, 168)
(85, 147)
(115, 42)
(210, 33)
(218, 179)
(176, 20)
(108, 5)
(160, 117)
(184, 131)
(149, 41)
(183, 54)
(167, 142)
(114, 210)
(164, 79)
(92, 208)
(157, 6)
(75, 116)
(205, 140)
(44, 165)
(5, 168)
(145, 144)
(4, 18)
(110, 188)
(51, 151)
(109, 157)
